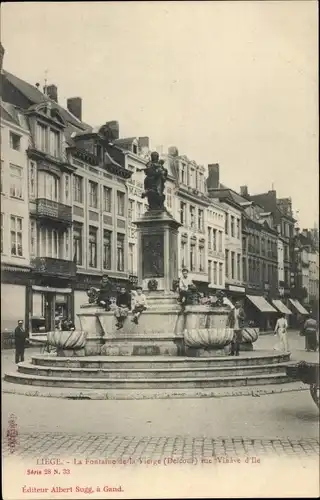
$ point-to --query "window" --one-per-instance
(135, 149)
(232, 227)
(215, 273)
(220, 273)
(15, 182)
(78, 189)
(15, 141)
(66, 188)
(220, 241)
(2, 229)
(209, 270)
(244, 245)
(192, 217)
(42, 137)
(107, 199)
(201, 259)
(53, 243)
(93, 194)
(107, 246)
(51, 187)
(120, 252)
(238, 267)
(139, 209)
(200, 220)
(244, 269)
(32, 179)
(192, 258)
(130, 210)
(233, 274)
(182, 212)
(33, 237)
(66, 244)
(131, 258)
(214, 239)
(120, 203)
(183, 254)
(209, 238)
(77, 244)
(226, 226)
(227, 263)
(54, 143)
(238, 229)
(16, 235)
(192, 178)
(183, 178)
(93, 246)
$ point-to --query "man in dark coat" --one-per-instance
(123, 307)
(105, 292)
(236, 321)
(20, 340)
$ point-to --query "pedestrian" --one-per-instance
(139, 304)
(185, 286)
(310, 329)
(236, 321)
(123, 307)
(281, 329)
(105, 292)
(20, 341)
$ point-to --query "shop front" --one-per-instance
(259, 312)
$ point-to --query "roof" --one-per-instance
(6, 114)
(35, 96)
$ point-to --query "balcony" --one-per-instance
(53, 210)
(48, 266)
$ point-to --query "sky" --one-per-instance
(234, 83)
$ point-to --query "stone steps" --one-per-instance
(160, 362)
(148, 383)
(151, 373)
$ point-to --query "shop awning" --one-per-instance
(261, 303)
(281, 307)
(298, 306)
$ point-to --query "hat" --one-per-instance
(139, 287)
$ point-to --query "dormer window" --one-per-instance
(135, 149)
(54, 143)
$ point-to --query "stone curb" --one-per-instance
(128, 395)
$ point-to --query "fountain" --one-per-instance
(170, 347)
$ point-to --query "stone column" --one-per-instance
(157, 233)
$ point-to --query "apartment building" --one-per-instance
(99, 218)
(188, 205)
(216, 245)
(15, 251)
(230, 204)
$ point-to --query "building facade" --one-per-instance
(188, 203)
(216, 245)
(15, 250)
(230, 204)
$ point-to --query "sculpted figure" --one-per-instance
(154, 182)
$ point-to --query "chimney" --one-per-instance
(74, 105)
(113, 127)
(52, 92)
(173, 151)
(144, 142)
(2, 51)
(244, 191)
(213, 181)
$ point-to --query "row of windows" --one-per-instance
(258, 271)
(215, 272)
(232, 265)
(15, 181)
(93, 195)
(233, 226)
(193, 218)
(192, 257)
(215, 238)
(93, 241)
(190, 176)
(16, 224)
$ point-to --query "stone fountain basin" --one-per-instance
(208, 338)
(250, 335)
(65, 340)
